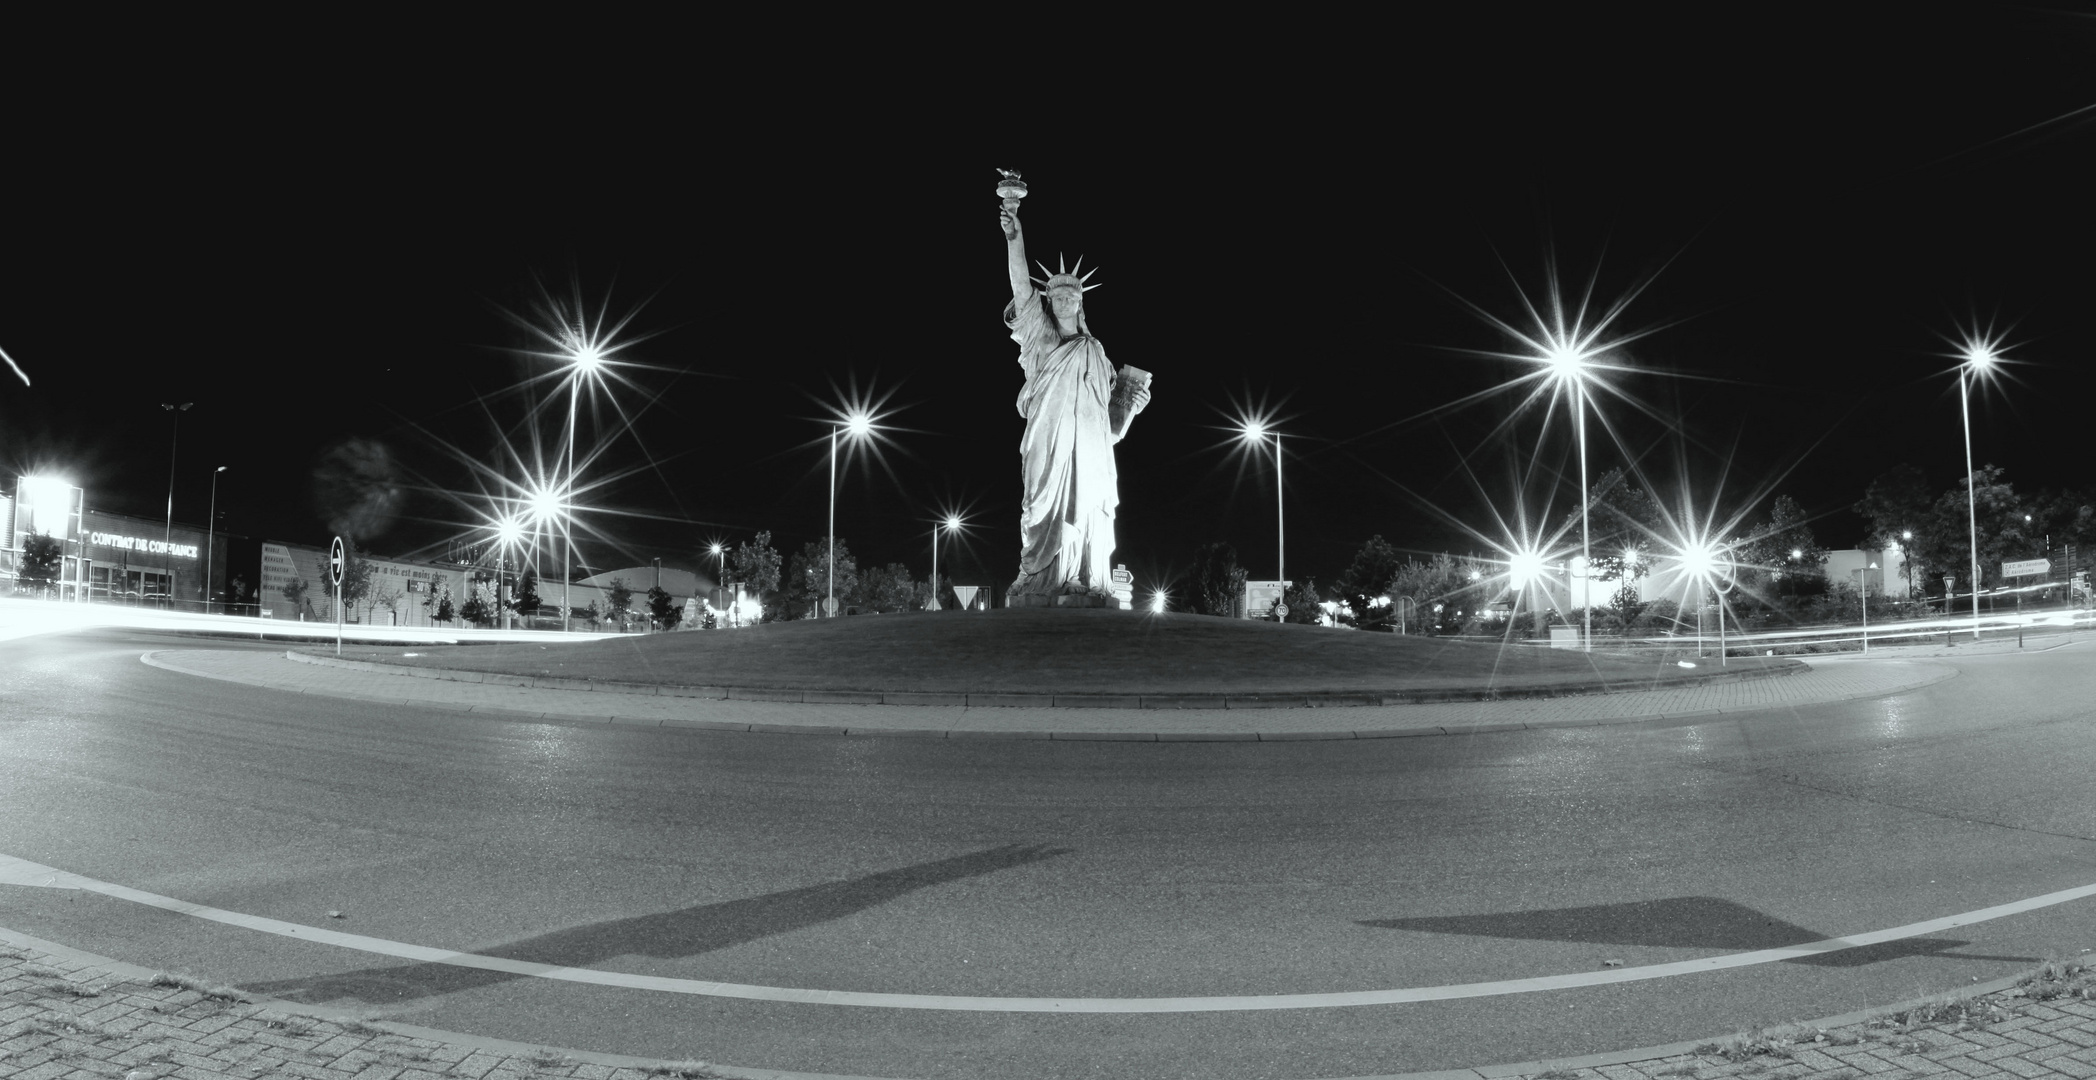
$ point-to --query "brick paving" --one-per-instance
(67, 1015)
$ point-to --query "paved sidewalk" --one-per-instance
(70, 1015)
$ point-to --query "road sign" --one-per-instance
(2026, 568)
(1121, 576)
(335, 563)
(829, 605)
(1261, 597)
(1281, 611)
(966, 595)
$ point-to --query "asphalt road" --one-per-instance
(1048, 869)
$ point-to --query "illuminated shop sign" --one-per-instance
(137, 543)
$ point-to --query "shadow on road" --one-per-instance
(1681, 922)
(668, 935)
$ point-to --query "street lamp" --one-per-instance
(1571, 364)
(585, 357)
(1255, 431)
(507, 533)
(952, 523)
(211, 535)
(1978, 358)
(719, 552)
(167, 534)
(1907, 563)
(1868, 566)
(1701, 563)
(858, 425)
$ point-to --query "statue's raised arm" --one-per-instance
(1015, 250)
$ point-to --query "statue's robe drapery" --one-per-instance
(1066, 519)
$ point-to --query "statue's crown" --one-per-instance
(1063, 277)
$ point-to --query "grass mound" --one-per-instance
(1031, 650)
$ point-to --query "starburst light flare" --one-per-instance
(16, 368)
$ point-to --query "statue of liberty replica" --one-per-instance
(1077, 406)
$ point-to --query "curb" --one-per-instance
(153, 659)
(1306, 699)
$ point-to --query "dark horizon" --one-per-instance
(1807, 251)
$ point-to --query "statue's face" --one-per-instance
(1066, 301)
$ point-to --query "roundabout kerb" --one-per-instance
(1075, 658)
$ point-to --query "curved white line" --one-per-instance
(14, 871)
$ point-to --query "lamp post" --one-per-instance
(211, 536)
(1700, 559)
(858, 425)
(167, 534)
(506, 533)
(953, 521)
(720, 585)
(1256, 432)
(1977, 358)
(585, 357)
(1864, 580)
(1571, 362)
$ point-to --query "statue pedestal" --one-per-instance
(1065, 600)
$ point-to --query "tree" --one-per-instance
(1622, 520)
(663, 608)
(590, 614)
(295, 591)
(384, 598)
(755, 565)
(1995, 514)
(1302, 601)
(1783, 550)
(886, 589)
(478, 610)
(618, 603)
(439, 602)
(1443, 580)
(1365, 584)
(356, 575)
(1895, 503)
(1216, 582)
(42, 562)
(526, 600)
(807, 579)
(921, 594)
(1896, 514)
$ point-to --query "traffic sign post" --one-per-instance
(2024, 568)
(335, 569)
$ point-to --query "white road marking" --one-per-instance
(14, 871)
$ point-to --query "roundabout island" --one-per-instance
(1073, 657)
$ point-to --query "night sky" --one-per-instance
(1812, 210)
